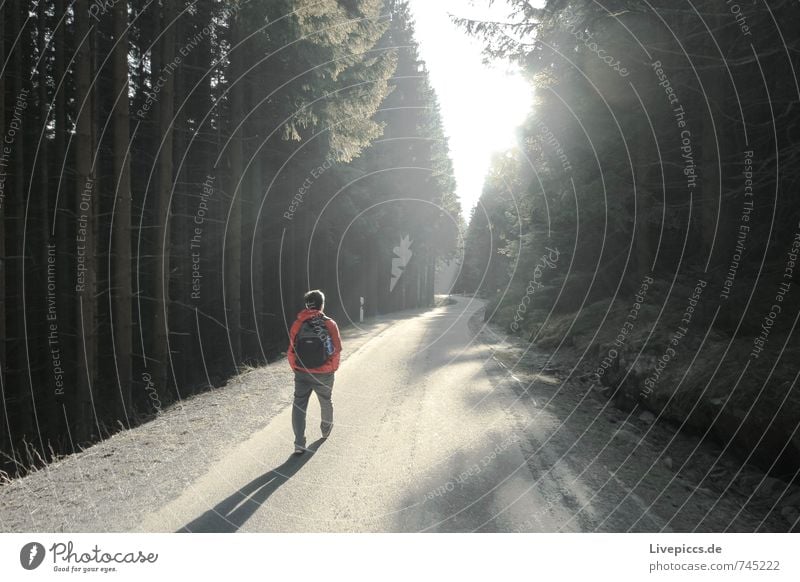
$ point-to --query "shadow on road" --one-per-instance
(232, 513)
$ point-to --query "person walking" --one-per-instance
(314, 351)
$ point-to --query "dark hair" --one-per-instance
(314, 299)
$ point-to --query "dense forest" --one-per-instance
(648, 223)
(174, 175)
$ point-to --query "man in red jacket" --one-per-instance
(314, 351)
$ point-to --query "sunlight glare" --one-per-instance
(481, 105)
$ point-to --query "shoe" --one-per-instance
(299, 450)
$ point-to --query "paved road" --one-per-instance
(424, 440)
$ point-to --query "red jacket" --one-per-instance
(333, 362)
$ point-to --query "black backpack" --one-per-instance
(312, 344)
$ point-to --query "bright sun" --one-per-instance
(481, 106)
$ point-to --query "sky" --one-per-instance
(481, 106)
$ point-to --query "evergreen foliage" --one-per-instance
(178, 174)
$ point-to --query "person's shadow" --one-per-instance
(229, 515)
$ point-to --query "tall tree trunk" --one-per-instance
(86, 287)
(251, 271)
(120, 271)
(44, 273)
(62, 230)
(16, 356)
(372, 294)
(5, 429)
(233, 238)
(166, 109)
(204, 153)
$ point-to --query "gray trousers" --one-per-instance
(304, 384)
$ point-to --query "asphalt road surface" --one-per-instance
(427, 436)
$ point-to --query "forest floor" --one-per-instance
(661, 465)
(457, 432)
